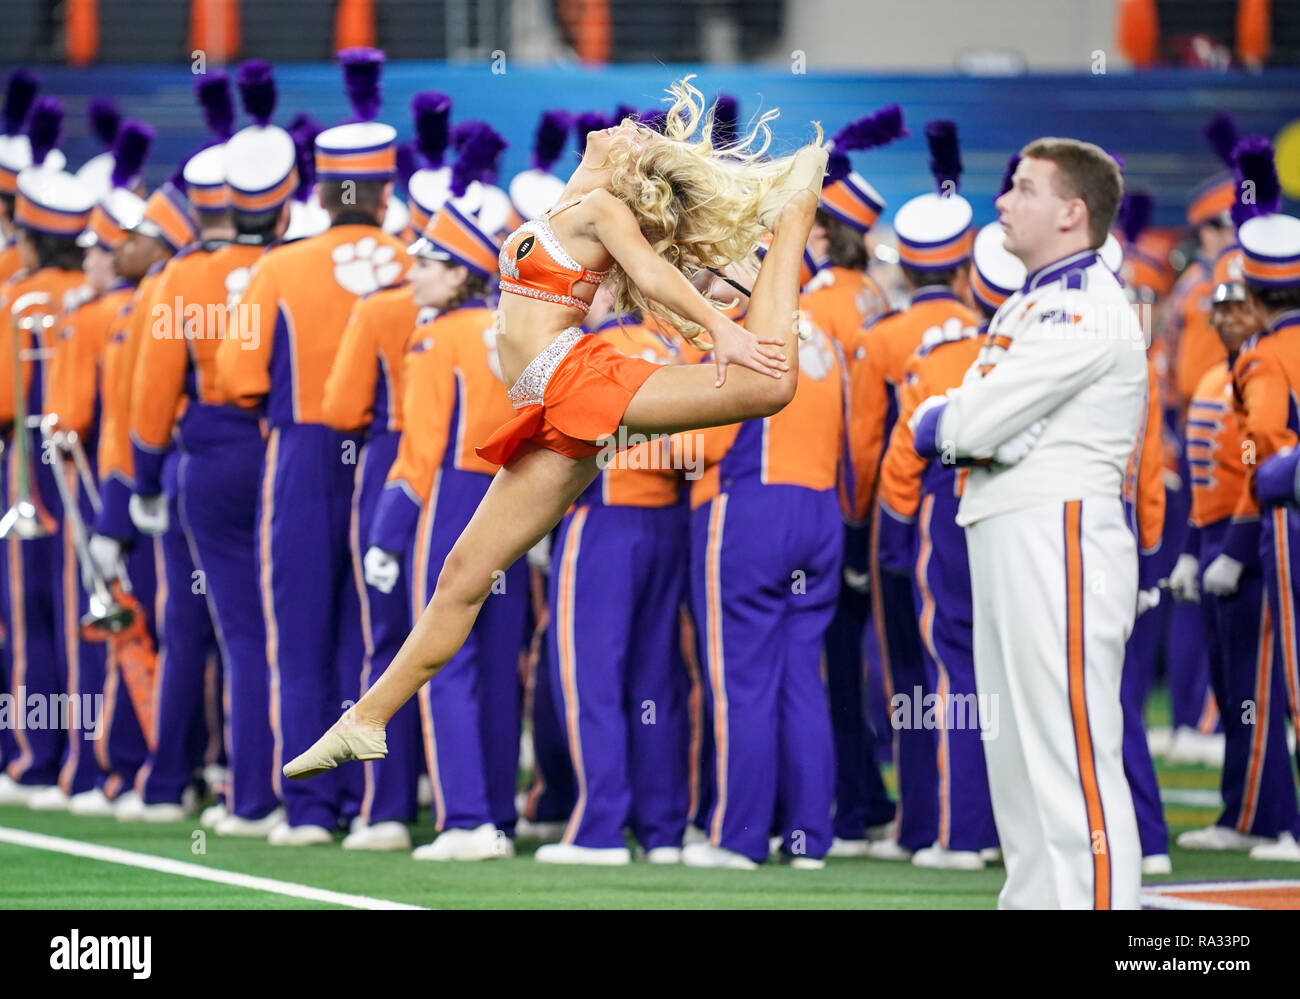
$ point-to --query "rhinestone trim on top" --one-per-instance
(528, 390)
(545, 296)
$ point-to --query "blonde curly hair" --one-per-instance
(696, 200)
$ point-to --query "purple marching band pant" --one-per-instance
(311, 609)
(618, 576)
(1279, 536)
(1252, 689)
(760, 636)
(188, 658)
(389, 789)
(213, 504)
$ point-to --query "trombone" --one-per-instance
(107, 615)
(26, 520)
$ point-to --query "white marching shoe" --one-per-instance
(664, 855)
(694, 834)
(169, 811)
(568, 853)
(287, 835)
(486, 842)
(345, 741)
(234, 825)
(1283, 848)
(1157, 863)
(380, 836)
(48, 799)
(1219, 838)
(13, 793)
(991, 855)
(848, 848)
(708, 855)
(91, 802)
(211, 815)
(806, 174)
(938, 858)
(887, 849)
(127, 807)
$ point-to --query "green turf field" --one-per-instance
(33, 878)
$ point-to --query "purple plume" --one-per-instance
(130, 150)
(1008, 177)
(104, 119)
(303, 129)
(257, 90)
(1255, 166)
(20, 92)
(1221, 133)
(878, 129)
(945, 154)
(1135, 213)
(361, 70)
(478, 148)
(548, 143)
(406, 164)
(837, 168)
(213, 92)
(45, 126)
(726, 118)
(588, 121)
(432, 113)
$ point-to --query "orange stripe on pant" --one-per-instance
(268, 606)
(928, 610)
(566, 611)
(1286, 609)
(1074, 644)
(717, 679)
(1263, 705)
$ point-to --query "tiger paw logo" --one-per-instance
(815, 357)
(236, 283)
(365, 266)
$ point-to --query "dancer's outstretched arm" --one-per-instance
(620, 233)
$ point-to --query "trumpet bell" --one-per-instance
(25, 521)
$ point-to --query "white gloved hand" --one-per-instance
(105, 553)
(1011, 451)
(539, 556)
(924, 407)
(381, 568)
(858, 582)
(1184, 581)
(1147, 599)
(1222, 576)
(149, 514)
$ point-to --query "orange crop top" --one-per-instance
(533, 263)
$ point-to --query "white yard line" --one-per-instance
(164, 865)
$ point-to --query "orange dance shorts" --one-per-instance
(573, 393)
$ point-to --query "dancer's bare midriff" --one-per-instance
(525, 326)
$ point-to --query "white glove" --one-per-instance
(858, 582)
(539, 556)
(149, 514)
(381, 568)
(1011, 451)
(1222, 576)
(924, 407)
(105, 553)
(1184, 581)
(1147, 599)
